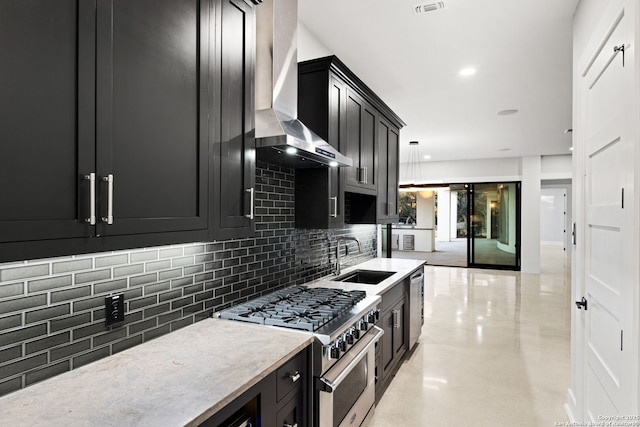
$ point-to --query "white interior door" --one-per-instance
(607, 276)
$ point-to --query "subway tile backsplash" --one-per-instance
(52, 310)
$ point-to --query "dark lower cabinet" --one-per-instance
(112, 112)
(393, 344)
(291, 413)
(279, 400)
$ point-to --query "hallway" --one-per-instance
(494, 350)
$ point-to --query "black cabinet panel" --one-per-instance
(152, 131)
(233, 121)
(393, 344)
(388, 137)
(156, 94)
(45, 146)
(341, 108)
(361, 145)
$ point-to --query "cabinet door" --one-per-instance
(393, 169)
(234, 141)
(387, 172)
(337, 139)
(399, 335)
(46, 106)
(152, 111)
(291, 413)
(369, 148)
(387, 352)
(383, 172)
(361, 144)
(393, 340)
(353, 135)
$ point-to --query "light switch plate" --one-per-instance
(114, 309)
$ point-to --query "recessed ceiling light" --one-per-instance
(291, 150)
(465, 72)
(507, 112)
(333, 164)
(427, 157)
(570, 148)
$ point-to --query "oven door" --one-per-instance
(346, 392)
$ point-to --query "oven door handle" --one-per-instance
(329, 382)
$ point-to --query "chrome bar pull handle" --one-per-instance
(109, 181)
(294, 377)
(92, 198)
(334, 214)
(362, 175)
(251, 201)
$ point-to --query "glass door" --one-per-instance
(493, 235)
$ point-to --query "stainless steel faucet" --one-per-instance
(353, 239)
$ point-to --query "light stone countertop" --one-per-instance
(179, 379)
(402, 268)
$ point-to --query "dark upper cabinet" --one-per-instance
(339, 107)
(110, 112)
(47, 140)
(152, 126)
(319, 197)
(361, 145)
(388, 140)
(233, 175)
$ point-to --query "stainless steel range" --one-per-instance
(343, 354)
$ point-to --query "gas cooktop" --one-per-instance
(297, 307)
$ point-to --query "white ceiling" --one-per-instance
(521, 49)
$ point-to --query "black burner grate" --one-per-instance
(296, 307)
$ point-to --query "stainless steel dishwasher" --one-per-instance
(416, 306)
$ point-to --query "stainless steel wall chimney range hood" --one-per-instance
(280, 137)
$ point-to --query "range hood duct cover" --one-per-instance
(280, 136)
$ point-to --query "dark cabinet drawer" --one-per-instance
(390, 297)
(289, 376)
(291, 413)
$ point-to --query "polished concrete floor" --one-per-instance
(494, 350)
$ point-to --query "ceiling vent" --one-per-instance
(422, 8)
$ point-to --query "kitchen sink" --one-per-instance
(367, 277)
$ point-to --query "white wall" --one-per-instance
(530, 215)
(557, 167)
(309, 47)
(444, 215)
(463, 171)
(552, 216)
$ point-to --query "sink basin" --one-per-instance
(367, 277)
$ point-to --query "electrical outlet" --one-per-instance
(114, 309)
